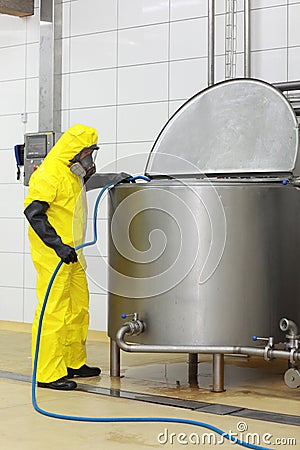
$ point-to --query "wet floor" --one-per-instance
(251, 384)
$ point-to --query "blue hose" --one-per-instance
(110, 419)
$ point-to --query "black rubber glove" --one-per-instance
(66, 253)
(37, 217)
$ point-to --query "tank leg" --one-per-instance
(114, 359)
(193, 369)
(218, 373)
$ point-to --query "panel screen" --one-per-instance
(36, 146)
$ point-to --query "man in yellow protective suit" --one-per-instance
(55, 208)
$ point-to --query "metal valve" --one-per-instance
(136, 326)
(291, 330)
(270, 340)
(268, 347)
(134, 316)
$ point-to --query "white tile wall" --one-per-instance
(102, 209)
(143, 45)
(100, 248)
(141, 122)
(9, 175)
(267, 3)
(187, 77)
(11, 202)
(12, 276)
(127, 68)
(294, 31)
(11, 235)
(132, 158)
(98, 312)
(147, 83)
(65, 92)
(65, 49)
(97, 274)
(270, 65)
(93, 16)
(90, 89)
(188, 39)
(12, 30)
(106, 155)
(31, 125)
(66, 15)
(32, 60)
(65, 119)
(11, 304)
(269, 28)
(33, 27)
(104, 57)
(142, 12)
(32, 95)
(187, 9)
(174, 105)
(12, 62)
(103, 119)
(294, 63)
(12, 97)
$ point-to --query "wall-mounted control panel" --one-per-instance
(37, 146)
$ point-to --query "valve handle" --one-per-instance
(134, 315)
(256, 338)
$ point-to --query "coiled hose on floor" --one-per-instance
(111, 419)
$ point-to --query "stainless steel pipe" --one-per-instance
(247, 39)
(193, 369)
(50, 67)
(218, 373)
(288, 86)
(204, 349)
(211, 43)
(114, 359)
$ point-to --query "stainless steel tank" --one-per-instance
(207, 252)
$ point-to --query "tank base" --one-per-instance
(114, 359)
(218, 373)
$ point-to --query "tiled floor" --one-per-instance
(250, 383)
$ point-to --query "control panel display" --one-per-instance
(36, 146)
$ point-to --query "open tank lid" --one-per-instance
(240, 126)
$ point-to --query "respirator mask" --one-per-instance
(83, 164)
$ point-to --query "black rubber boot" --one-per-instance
(83, 371)
(61, 385)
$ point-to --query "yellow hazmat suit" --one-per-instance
(66, 317)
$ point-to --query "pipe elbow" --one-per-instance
(288, 326)
(132, 328)
(125, 329)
